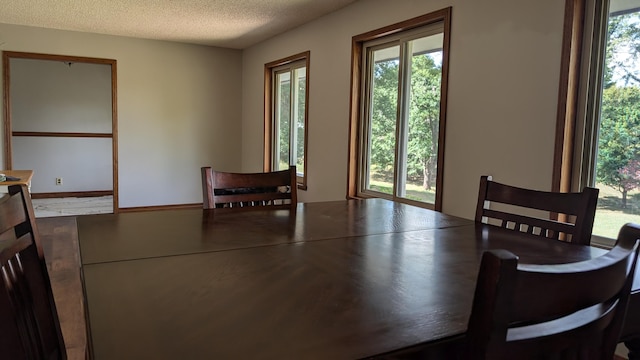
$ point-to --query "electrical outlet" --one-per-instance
(58, 181)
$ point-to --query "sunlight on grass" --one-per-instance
(610, 216)
(608, 223)
(414, 192)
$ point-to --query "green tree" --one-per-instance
(424, 119)
(619, 141)
(383, 117)
(623, 50)
(302, 87)
(423, 124)
(284, 122)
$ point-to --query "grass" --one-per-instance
(610, 216)
(413, 191)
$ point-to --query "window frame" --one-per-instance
(579, 98)
(356, 136)
(269, 111)
(582, 62)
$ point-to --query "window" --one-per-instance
(286, 113)
(398, 111)
(606, 151)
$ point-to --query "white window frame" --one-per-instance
(289, 64)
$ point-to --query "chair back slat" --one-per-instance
(535, 212)
(28, 318)
(563, 311)
(12, 214)
(223, 190)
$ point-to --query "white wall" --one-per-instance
(183, 106)
(52, 96)
(48, 95)
(503, 88)
(179, 108)
(84, 164)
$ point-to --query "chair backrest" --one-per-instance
(575, 211)
(276, 189)
(563, 311)
(29, 325)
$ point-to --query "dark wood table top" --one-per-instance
(386, 283)
(127, 236)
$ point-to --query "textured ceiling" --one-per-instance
(227, 23)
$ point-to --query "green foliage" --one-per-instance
(423, 119)
(383, 116)
(285, 119)
(619, 141)
(302, 88)
(623, 50)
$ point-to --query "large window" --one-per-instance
(400, 82)
(606, 152)
(286, 98)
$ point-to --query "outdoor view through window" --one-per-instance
(403, 112)
(291, 85)
(617, 168)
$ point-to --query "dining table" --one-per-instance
(347, 279)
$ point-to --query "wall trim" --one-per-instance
(71, 194)
(160, 207)
(61, 134)
(8, 133)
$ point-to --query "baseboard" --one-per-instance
(71, 194)
(159, 207)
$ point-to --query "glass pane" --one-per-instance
(422, 120)
(283, 116)
(383, 114)
(300, 76)
(617, 171)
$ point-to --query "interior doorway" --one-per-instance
(60, 120)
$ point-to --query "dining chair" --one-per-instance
(29, 325)
(561, 311)
(519, 209)
(277, 189)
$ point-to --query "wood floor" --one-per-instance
(72, 206)
(59, 237)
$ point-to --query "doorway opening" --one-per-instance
(60, 120)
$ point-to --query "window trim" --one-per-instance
(356, 101)
(269, 119)
(582, 64)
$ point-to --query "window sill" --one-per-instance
(602, 242)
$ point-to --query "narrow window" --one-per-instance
(606, 151)
(286, 113)
(399, 119)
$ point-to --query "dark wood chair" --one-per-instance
(565, 311)
(276, 189)
(29, 325)
(575, 211)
